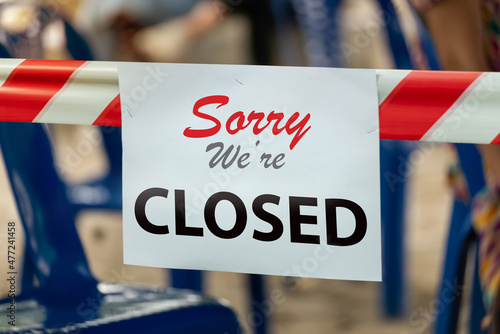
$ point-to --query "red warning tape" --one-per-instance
(414, 105)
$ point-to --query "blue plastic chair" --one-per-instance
(318, 20)
(461, 241)
(393, 158)
(68, 297)
(106, 192)
(393, 199)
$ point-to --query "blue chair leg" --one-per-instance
(395, 35)
(451, 289)
(187, 279)
(460, 236)
(28, 274)
(393, 191)
(393, 179)
(260, 313)
(393, 161)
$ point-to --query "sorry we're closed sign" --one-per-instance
(270, 170)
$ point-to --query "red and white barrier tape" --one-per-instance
(69, 92)
(455, 107)
(414, 105)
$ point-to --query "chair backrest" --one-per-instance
(470, 163)
(52, 244)
(3, 52)
(76, 44)
(29, 44)
(397, 41)
(48, 219)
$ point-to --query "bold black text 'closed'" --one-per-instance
(296, 218)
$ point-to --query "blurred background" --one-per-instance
(261, 32)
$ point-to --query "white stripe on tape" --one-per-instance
(6, 67)
(387, 80)
(471, 121)
(87, 95)
(59, 93)
(454, 107)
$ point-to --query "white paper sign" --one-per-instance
(271, 170)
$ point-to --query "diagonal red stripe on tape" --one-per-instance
(496, 140)
(112, 115)
(31, 85)
(418, 102)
